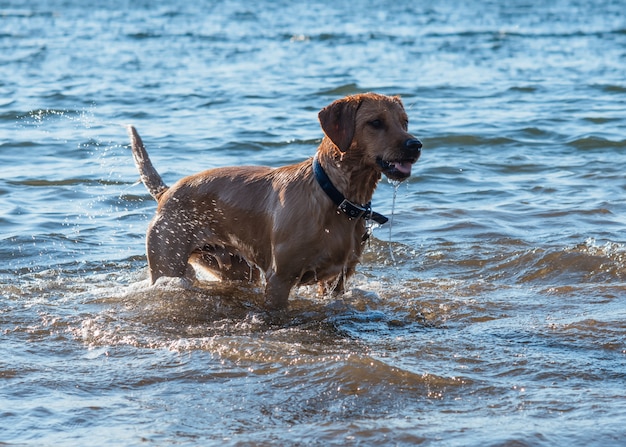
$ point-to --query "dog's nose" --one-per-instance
(413, 144)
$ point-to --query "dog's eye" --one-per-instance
(376, 124)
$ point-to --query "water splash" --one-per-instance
(396, 185)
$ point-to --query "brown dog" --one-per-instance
(294, 225)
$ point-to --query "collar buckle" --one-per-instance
(353, 210)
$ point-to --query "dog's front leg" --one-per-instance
(277, 290)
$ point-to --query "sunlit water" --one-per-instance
(492, 312)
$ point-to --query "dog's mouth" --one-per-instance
(396, 170)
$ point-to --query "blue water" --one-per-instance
(491, 312)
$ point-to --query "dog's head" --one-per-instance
(374, 128)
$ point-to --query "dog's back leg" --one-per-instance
(277, 290)
(169, 246)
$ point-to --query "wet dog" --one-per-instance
(293, 225)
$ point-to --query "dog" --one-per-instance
(294, 225)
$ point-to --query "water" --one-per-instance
(498, 317)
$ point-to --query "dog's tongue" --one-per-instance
(403, 166)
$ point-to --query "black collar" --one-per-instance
(351, 209)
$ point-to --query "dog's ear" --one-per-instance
(338, 121)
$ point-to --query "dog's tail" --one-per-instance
(149, 176)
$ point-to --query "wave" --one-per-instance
(67, 182)
(558, 266)
(611, 88)
(470, 140)
(26, 13)
(451, 271)
(596, 142)
(531, 135)
(39, 115)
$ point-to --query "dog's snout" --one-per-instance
(413, 144)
